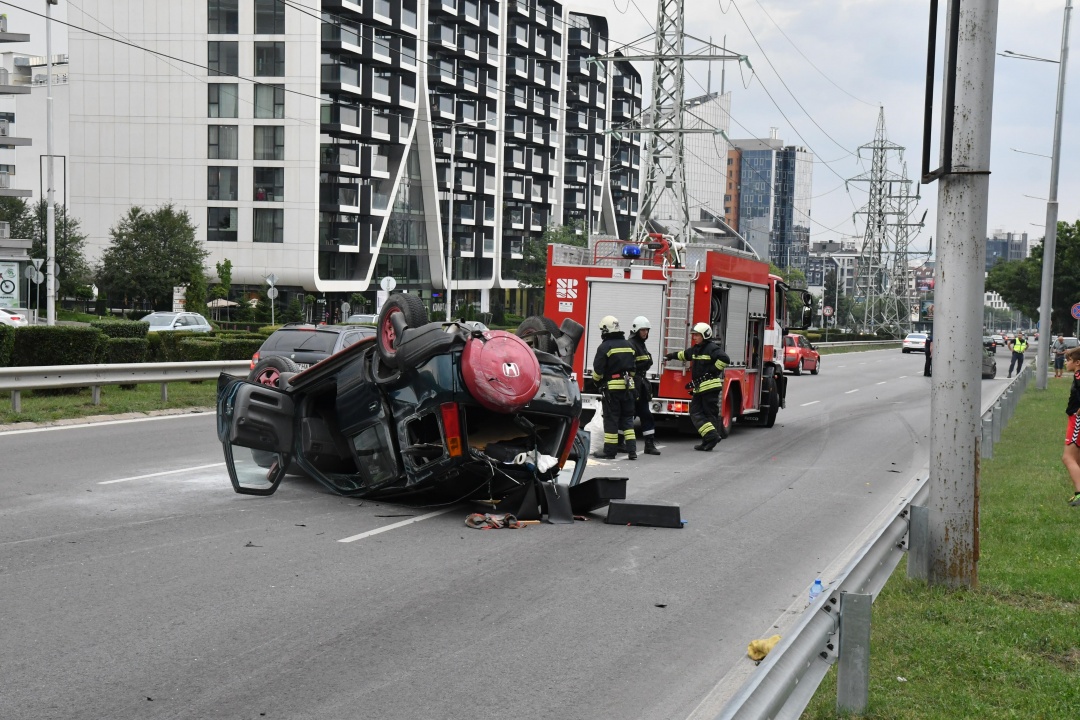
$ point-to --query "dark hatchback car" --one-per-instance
(298, 346)
(432, 410)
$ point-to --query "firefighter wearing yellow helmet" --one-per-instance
(708, 361)
(613, 373)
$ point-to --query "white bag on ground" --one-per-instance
(596, 431)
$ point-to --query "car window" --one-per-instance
(159, 320)
(375, 455)
(789, 341)
(803, 342)
(306, 340)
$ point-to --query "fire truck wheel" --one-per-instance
(725, 420)
(767, 416)
(539, 333)
(415, 315)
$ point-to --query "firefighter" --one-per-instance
(708, 361)
(613, 373)
(639, 333)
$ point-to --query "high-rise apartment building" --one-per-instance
(1006, 246)
(774, 200)
(334, 143)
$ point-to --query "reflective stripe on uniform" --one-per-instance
(710, 384)
(706, 429)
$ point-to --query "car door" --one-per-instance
(808, 353)
(255, 427)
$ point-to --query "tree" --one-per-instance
(195, 297)
(150, 254)
(74, 271)
(1019, 282)
(18, 214)
(795, 279)
(533, 272)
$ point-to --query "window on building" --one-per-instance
(221, 183)
(222, 17)
(269, 226)
(220, 224)
(221, 142)
(223, 57)
(222, 100)
(269, 17)
(269, 142)
(270, 101)
(269, 184)
(269, 59)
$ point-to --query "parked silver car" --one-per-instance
(189, 321)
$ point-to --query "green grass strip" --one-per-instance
(1009, 648)
(46, 406)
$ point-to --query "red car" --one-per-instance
(800, 355)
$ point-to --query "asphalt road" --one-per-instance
(135, 584)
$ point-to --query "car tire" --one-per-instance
(539, 333)
(904, 350)
(269, 371)
(817, 366)
(767, 417)
(415, 315)
(798, 368)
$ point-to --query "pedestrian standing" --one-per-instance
(613, 373)
(1071, 458)
(1018, 346)
(708, 361)
(1057, 351)
(639, 334)
(928, 363)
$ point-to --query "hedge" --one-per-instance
(198, 349)
(122, 328)
(239, 349)
(126, 350)
(7, 344)
(165, 346)
(38, 345)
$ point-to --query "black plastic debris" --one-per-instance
(653, 514)
(595, 493)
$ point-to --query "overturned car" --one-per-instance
(422, 411)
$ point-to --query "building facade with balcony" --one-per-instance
(334, 143)
(14, 252)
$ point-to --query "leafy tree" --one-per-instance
(151, 252)
(224, 273)
(841, 304)
(533, 272)
(294, 311)
(70, 243)
(795, 278)
(1019, 282)
(17, 212)
(195, 297)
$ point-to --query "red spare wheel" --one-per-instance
(500, 371)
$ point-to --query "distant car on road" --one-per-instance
(800, 355)
(361, 319)
(989, 365)
(990, 343)
(13, 317)
(914, 342)
(169, 321)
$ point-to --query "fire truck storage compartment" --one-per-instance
(625, 299)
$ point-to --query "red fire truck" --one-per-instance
(728, 288)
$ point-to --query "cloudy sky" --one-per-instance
(821, 70)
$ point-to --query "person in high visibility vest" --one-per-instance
(707, 381)
(1018, 346)
(613, 373)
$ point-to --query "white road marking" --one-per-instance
(159, 474)
(851, 391)
(883, 382)
(812, 402)
(50, 428)
(901, 377)
(393, 526)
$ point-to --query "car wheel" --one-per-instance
(539, 333)
(767, 417)
(904, 350)
(269, 371)
(798, 369)
(817, 366)
(414, 313)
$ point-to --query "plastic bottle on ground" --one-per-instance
(815, 590)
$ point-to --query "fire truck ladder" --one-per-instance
(680, 308)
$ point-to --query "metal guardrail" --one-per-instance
(18, 379)
(784, 682)
(853, 343)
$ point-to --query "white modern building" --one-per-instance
(319, 140)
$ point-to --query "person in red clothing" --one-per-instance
(1071, 458)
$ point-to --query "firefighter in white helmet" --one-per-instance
(639, 333)
(613, 373)
(708, 361)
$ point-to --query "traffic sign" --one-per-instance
(345, 308)
(37, 262)
(827, 311)
(271, 280)
(272, 293)
(1076, 311)
(388, 283)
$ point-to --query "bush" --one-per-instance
(198, 349)
(122, 328)
(169, 348)
(7, 344)
(239, 349)
(126, 350)
(58, 345)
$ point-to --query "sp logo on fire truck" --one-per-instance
(565, 288)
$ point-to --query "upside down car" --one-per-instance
(432, 411)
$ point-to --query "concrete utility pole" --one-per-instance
(1046, 298)
(961, 226)
(50, 216)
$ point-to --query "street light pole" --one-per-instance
(50, 213)
(450, 209)
(1046, 298)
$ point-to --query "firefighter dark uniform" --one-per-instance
(643, 361)
(613, 373)
(708, 361)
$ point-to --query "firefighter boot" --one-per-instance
(650, 445)
(708, 442)
(631, 449)
(621, 447)
(608, 453)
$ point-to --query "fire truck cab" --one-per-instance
(728, 288)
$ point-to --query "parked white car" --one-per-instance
(189, 321)
(14, 317)
(914, 342)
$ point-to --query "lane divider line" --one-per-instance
(159, 474)
(883, 382)
(394, 526)
(851, 391)
(812, 402)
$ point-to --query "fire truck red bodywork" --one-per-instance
(728, 289)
